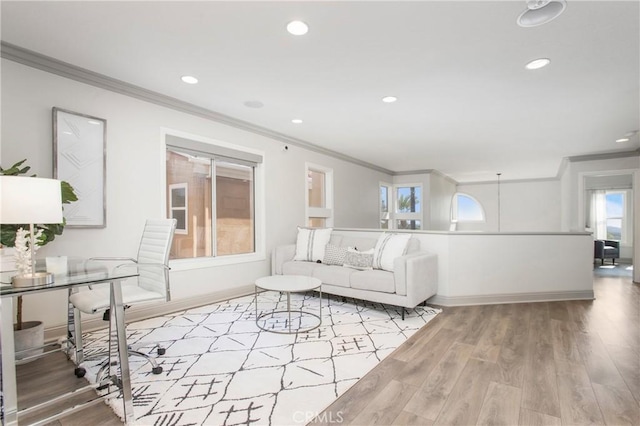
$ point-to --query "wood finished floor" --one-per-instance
(555, 363)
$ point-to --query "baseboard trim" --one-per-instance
(495, 299)
(153, 310)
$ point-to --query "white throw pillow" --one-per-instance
(388, 247)
(334, 255)
(311, 243)
(361, 260)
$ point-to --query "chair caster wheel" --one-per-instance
(156, 370)
(161, 351)
(79, 372)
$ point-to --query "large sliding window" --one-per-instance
(211, 192)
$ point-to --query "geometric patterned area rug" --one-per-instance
(220, 368)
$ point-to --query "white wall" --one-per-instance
(636, 234)
(134, 173)
(441, 190)
(525, 206)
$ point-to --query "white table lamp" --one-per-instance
(30, 200)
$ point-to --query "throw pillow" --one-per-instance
(311, 242)
(334, 255)
(388, 247)
(361, 260)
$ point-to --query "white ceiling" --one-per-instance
(466, 105)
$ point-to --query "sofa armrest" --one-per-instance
(416, 276)
(280, 255)
(598, 249)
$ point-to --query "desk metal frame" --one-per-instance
(72, 280)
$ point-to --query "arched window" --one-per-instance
(465, 208)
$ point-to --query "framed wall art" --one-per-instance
(79, 157)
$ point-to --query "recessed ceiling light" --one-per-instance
(389, 99)
(189, 79)
(536, 64)
(296, 121)
(622, 140)
(297, 28)
(253, 104)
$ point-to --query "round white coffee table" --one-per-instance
(288, 284)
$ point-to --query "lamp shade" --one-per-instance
(30, 200)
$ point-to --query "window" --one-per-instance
(400, 206)
(319, 196)
(608, 214)
(465, 208)
(211, 192)
(178, 206)
(408, 211)
(384, 205)
(615, 215)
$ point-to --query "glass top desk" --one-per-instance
(80, 273)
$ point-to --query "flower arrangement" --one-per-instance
(17, 236)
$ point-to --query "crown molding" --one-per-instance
(604, 156)
(51, 65)
(426, 172)
(506, 182)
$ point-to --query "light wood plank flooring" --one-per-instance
(555, 363)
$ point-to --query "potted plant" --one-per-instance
(31, 333)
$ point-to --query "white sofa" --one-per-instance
(414, 278)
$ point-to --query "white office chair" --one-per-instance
(151, 285)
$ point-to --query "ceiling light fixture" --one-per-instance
(253, 104)
(296, 121)
(536, 64)
(622, 140)
(540, 12)
(189, 79)
(297, 28)
(389, 99)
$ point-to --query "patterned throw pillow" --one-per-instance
(388, 248)
(361, 260)
(334, 255)
(311, 242)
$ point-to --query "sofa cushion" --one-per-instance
(295, 267)
(334, 275)
(334, 255)
(374, 280)
(389, 247)
(311, 242)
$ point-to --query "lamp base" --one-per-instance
(32, 280)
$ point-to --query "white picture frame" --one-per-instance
(79, 158)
